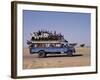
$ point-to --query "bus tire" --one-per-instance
(70, 53)
(42, 54)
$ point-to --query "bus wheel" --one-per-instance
(70, 53)
(42, 54)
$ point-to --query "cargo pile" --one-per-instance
(46, 35)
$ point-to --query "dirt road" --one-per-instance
(80, 58)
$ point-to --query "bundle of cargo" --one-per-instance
(46, 35)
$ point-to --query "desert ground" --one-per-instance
(80, 58)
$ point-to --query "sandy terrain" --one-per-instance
(80, 58)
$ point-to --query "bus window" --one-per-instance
(58, 45)
(35, 45)
(47, 45)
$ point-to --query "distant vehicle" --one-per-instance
(44, 47)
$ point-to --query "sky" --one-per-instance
(74, 26)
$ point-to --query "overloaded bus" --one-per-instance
(44, 42)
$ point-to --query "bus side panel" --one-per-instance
(49, 50)
(35, 50)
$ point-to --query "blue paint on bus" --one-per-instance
(52, 49)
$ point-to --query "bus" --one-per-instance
(42, 48)
(45, 42)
